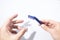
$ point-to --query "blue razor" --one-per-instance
(35, 18)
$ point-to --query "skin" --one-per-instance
(52, 27)
(6, 32)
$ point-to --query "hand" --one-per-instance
(6, 32)
(52, 27)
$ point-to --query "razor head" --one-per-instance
(32, 17)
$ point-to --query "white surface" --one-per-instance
(43, 9)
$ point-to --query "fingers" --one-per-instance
(48, 24)
(14, 29)
(48, 21)
(13, 26)
(45, 27)
(17, 21)
(21, 33)
(45, 21)
(9, 20)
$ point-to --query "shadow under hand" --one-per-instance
(23, 38)
(31, 37)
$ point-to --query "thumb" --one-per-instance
(21, 33)
(45, 27)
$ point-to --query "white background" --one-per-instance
(43, 9)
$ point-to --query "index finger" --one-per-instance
(48, 21)
(7, 23)
(13, 16)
